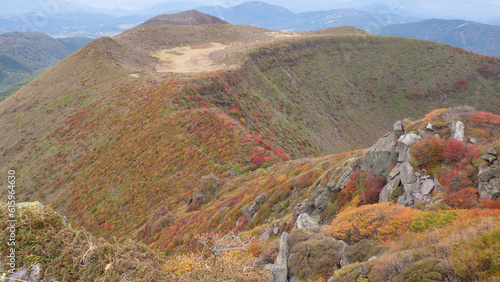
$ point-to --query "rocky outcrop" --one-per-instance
(279, 270)
(252, 208)
(305, 221)
(458, 130)
(398, 128)
(489, 183)
(381, 156)
(488, 178)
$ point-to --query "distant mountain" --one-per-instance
(23, 55)
(472, 36)
(191, 17)
(264, 15)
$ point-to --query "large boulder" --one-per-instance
(390, 190)
(398, 128)
(404, 144)
(458, 130)
(381, 156)
(305, 221)
(489, 183)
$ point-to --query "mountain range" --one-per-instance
(208, 151)
(476, 37)
(24, 55)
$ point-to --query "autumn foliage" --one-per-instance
(427, 152)
(380, 222)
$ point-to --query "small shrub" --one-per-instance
(427, 152)
(427, 220)
(429, 270)
(467, 198)
(380, 222)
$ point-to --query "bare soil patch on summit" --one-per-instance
(191, 59)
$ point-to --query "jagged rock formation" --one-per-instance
(489, 178)
(279, 270)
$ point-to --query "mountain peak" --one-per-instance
(190, 17)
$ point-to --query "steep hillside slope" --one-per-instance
(23, 55)
(476, 37)
(126, 150)
(366, 240)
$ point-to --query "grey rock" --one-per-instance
(381, 156)
(29, 204)
(474, 140)
(406, 199)
(395, 171)
(306, 206)
(388, 190)
(321, 200)
(489, 158)
(489, 183)
(29, 275)
(265, 235)
(276, 230)
(427, 186)
(406, 173)
(398, 128)
(344, 178)
(459, 132)
(417, 197)
(491, 151)
(409, 139)
(252, 208)
(331, 184)
(279, 270)
(429, 126)
(404, 144)
(305, 221)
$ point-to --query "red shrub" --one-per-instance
(467, 198)
(454, 150)
(490, 204)
(257, 157)
(456, 180)
(373, 186)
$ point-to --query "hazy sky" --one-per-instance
(435, 8)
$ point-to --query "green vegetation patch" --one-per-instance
(425, 221)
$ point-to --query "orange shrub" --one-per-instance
(380, 222)
(427, 152)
